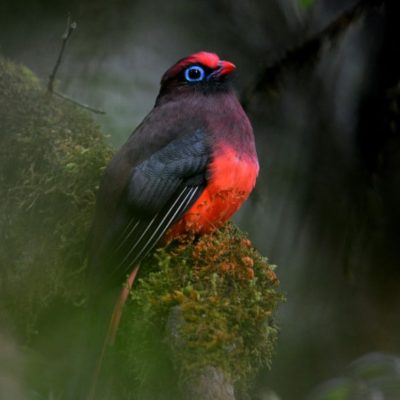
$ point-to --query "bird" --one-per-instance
(186, 169)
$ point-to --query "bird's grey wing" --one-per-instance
(159, 191)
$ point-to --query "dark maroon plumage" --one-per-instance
(195, 148)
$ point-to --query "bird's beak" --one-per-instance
(225, 68)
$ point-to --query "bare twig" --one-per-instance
(85, 106)
(269, 77)
(71, 26)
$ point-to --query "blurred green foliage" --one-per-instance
(306, 3)
(51, 160)
(373, 376)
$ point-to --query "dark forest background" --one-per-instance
(326, 209)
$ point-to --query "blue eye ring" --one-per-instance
(194, 74)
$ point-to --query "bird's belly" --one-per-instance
(231, 179)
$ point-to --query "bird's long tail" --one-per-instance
(112, 330)
(117, 312)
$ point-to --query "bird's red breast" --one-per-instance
(232, 178)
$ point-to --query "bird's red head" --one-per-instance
(202, 69)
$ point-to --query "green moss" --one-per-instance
(224, 292)
(51, 159)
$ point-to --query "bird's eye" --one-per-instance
(194, 74)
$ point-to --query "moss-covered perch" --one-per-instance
(198, 323)
(208, 304)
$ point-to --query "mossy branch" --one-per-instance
(209, 305)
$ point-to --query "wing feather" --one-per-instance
(136, 242)
(159, 191)
(157, 232)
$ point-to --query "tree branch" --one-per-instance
(208, 383)
(82, 105)
(71, 26)
(268, 79)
